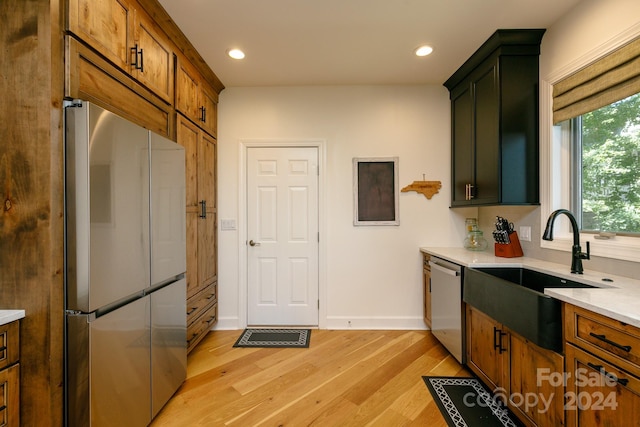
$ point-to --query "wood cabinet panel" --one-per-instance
(187, 88)
(200, 206)
(154, 58)
(9, 344)
(599, 393)
(605, 337)
(198, 329)
(91, 78)
(201, 302)
(128, 38)
(106, 25)
(209, 104)
(531, 368)
(10, 396)
(485, 348)
(10, 374)
(193, 97)
(514, 369)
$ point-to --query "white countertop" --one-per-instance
(8, 316)
(618, 299)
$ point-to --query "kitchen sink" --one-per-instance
(515, 297)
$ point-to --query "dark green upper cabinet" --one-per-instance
(494, 122)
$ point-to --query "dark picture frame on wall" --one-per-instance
(375, 191)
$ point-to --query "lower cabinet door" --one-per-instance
(598, 393)
(10, 396)
(486, 348)
(536, 388)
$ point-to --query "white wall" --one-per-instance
(371, 275)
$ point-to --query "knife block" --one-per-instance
(509, 250)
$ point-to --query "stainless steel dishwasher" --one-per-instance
(447, 312)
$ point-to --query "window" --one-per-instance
(589, 163)
(605, 166)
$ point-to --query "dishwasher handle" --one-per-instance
(444, 269)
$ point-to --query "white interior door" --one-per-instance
(282, 236)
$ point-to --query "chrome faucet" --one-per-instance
(576, 253)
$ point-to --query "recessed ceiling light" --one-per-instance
(423, 50)
(235, 53)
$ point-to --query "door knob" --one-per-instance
(252, 243)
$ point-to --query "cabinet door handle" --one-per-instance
(497, 340)
(502, 350)
(603, 337)
(203, 114)
(203, 208)
(138, 62)
(600, 368)
(496, 344)
(471, 191)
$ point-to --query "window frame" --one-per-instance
(555, 165)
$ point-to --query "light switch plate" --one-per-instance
(228, 224)
(525, 233)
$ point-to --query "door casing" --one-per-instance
(245, 145)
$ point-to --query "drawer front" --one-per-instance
(598, 393)
(198, 329)
(609, 339)
(197, 304)
(9, 344)
(10, 396)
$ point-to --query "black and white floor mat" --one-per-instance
(464, 402)
(251, 337)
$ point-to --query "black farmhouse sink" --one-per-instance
(515, 297)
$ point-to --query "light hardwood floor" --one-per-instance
(345, 378)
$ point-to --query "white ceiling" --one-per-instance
(348, 42)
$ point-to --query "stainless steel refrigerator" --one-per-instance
(125, 333)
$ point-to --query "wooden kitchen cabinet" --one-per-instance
(494, 122)
(200, 152)
(603, 364)
(10, 374)
(194, 98)
(152, 57)
(128, 38)
(54, 51)
(90, 77)
(512, 366)
(426, 289)
(105, 25)
(601, 394)
(487, 348)
(533, 372)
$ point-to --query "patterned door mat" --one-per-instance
(274, 338)
(464, 402)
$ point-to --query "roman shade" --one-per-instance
(609, 79)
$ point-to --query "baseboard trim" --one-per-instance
(375, 323)
(344, 322)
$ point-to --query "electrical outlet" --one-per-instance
(525, 233)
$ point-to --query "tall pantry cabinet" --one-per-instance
(121, 55)
(200, 151)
